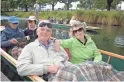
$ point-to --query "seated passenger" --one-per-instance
(39, 57)
(81, 46)
(11, 33)
(30, 31)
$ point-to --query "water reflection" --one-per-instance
(119, 41)
(92, 32)
(111, 39)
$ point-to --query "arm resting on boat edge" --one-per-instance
(34, 78)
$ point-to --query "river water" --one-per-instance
(109, 38)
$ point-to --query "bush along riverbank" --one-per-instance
(91, 17)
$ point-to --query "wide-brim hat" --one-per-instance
(32, 18)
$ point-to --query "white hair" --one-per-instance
(76, 23)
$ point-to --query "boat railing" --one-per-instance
(110, 54)
(34, 78)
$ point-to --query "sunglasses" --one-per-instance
(43, 24)
(14, 23)
(78, 30)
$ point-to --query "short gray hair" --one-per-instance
(78, 23)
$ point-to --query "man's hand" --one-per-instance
(53, 68)
(57, 45)
(13, 41)
(27, 37)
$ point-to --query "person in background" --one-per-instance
(37, 9)
(11, 34)
(30, 31)
(39, 57)
(73, 19)
(82, 48)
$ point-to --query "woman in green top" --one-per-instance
(81, 46)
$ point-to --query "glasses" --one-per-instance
(78, 30)
(15, 23)
(42, 24)
(30, 21)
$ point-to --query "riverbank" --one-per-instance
(115, 18)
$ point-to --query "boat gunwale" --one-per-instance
(34, 78)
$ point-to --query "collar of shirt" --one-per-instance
(46, 46)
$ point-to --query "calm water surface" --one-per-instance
(110, 38)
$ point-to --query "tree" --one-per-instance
(114, 4)
(100, 4)
(8, 5)
(109, 2)
(5, 6)
(67, 2)
(42, 2)
(13, 4)
(26, 4)
(86, 4)
(65, 6)
(45, 2)
(52, 2)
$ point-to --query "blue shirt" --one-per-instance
(46, 46)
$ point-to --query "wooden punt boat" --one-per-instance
(8, 64)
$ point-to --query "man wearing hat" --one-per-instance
(30, 31)
(10, 34)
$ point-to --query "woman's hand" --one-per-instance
(57, 45)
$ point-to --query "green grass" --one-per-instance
(92, 16)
